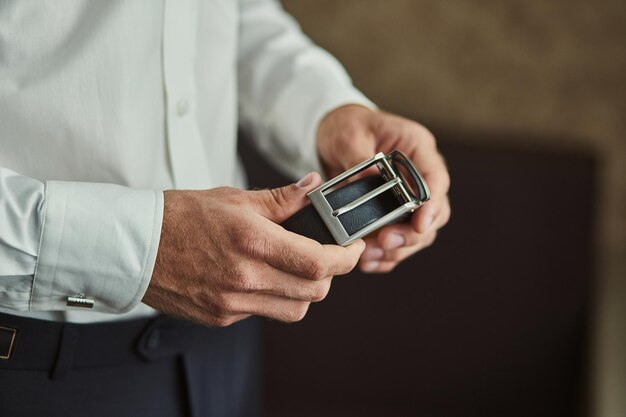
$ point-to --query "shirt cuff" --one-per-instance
(98, 240)
(310, 97)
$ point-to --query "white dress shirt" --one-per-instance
(104, 104)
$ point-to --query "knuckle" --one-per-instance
(387, 267)
(224, 304)
(222, 321)
(349, 264)
(277, 198)
(252, 242)
(425, 136)
(247, 282)
(242, 280)
(448, 216)
(411, 238)
(427, 241)
(315, 269)
(445, 178)
(240, 236)
(320, 293)
(348, 268)
(298, 313)
(444, 162)
(445, 218)
(393, 256)
(430, 239)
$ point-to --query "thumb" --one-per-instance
(278, 204)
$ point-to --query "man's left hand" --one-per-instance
(351, 134)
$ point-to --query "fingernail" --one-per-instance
(426, 223)
(394, 240)
(304, 181)
(370, 266)
(372, 253)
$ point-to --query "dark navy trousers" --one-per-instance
(159, 367)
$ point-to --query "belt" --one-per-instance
(57, 347)
(344, 210)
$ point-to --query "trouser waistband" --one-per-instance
(58, 347)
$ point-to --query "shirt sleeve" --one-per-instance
(62, 239)
(286, 86)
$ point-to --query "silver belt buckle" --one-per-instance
(394, 181)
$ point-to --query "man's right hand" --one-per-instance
(222, 256)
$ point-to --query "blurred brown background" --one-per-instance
(553, 70)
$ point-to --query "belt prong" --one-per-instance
(364, 198)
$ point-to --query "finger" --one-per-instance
(273, 307)
(226, 307)
(278, 204)
(397, 235)
(393, 258)
(392, 237)
(200, 311)
(438, 180)
(307, 258)
(215, 320)
(282, 284)
(433, 215)
(444, 215)
(420, 146)
(374, 252)
(400, 254)
(377, 267)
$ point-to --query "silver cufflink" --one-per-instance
(79, 300)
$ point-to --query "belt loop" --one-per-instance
(65, 355)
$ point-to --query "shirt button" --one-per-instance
(182, 107)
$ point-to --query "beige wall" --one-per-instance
(552, 68)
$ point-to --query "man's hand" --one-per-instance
(351, 134)
(223, 256)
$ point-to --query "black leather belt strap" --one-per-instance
(307, 222)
